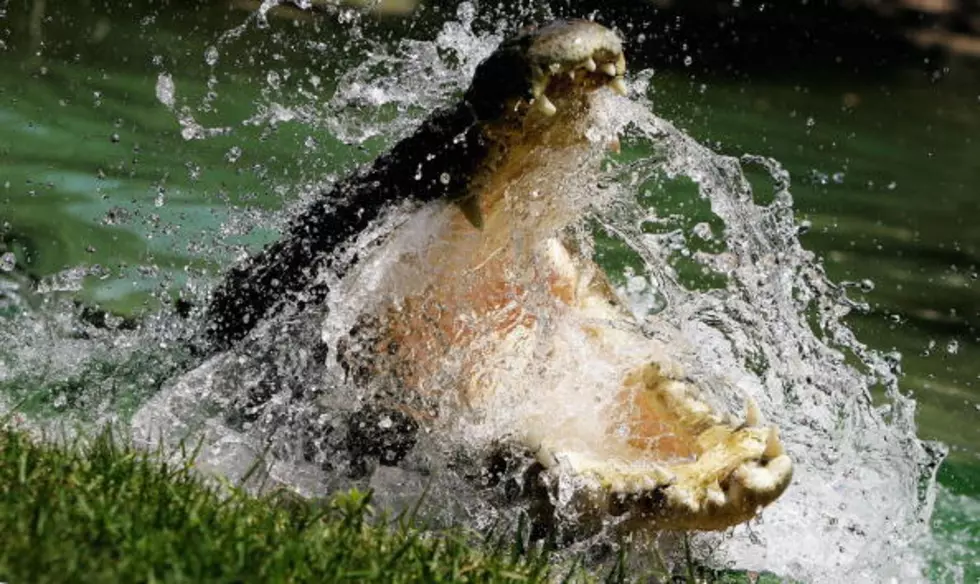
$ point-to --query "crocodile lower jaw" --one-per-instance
(729, 474)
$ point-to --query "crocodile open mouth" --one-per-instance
(546, 68)
(683, 466)
(566, 58)
(661, 454)
(482, 300)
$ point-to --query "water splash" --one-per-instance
(772, 329)
(863, 486)
(758, 317)
(408, 81)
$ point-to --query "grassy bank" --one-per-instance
(103, 512)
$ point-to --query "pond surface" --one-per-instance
(143, 150)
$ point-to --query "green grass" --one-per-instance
(100, 510)
(104, 512)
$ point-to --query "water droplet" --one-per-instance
(953, 347)
(688, 60)
(444, 178)
(866, 285)
(810, 122)
(166, 91)
(636, 284)
(838, 177)
(211, 56)
(233, 154)
(272, 78)
(114, 138)
(8, 262)
(703, 230)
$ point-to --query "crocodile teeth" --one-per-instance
(590, 65)
(714, 495)
(619, 86)
(774, 447)
(753, 416)
(684, 498)
(752, 478)
(609, 69)
(545, 106)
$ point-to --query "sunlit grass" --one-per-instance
(104, 512)
(100, 510)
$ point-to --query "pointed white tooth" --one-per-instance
(753, 415)
(545, 454)
(545, 106)
(677, 391)
(621, 64)
(590, 65)
(571, 74)
(683, 497)
(619, 86)
(609, 69)
(774, 447)
(714, 495)
(781, 469)
(756, 480)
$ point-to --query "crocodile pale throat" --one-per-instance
(490, 306)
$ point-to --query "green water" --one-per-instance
(94, 172)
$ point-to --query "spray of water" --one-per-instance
(735, 297)
(863, 481)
